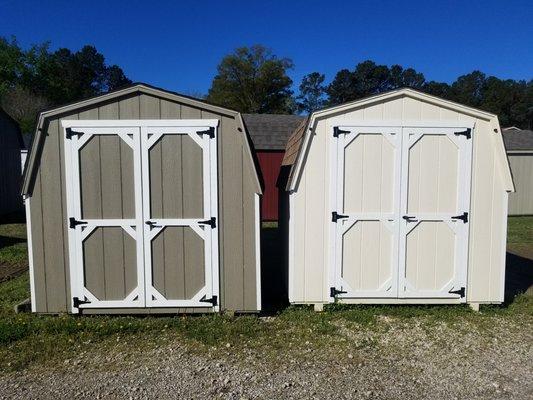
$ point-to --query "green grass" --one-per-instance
(28, 339)
(520, 230)
(13, 247)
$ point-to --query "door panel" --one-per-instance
(142, 207)
(110, 265)
(433, 175)
(367, 257)
(105, 216)
(401, 216)
(177, 253)
(368, 168)
(436, 191)
(176, 178)
(178, 206)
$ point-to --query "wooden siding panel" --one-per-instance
(39, 268)
(53, 221)
(521, 202)
(248, 228)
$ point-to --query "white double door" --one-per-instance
(400, 220)
(142, 213)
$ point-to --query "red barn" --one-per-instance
(269, 134)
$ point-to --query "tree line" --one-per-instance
(250, 80)
(254, 80)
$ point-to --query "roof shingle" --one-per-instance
(518, 139)
(271, 131)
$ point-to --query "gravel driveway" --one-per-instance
(402, 360)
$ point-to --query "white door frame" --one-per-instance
(411, 135)
(390, 220)
(135, 134)
(76, 135)
(209, 234)
(336, 144)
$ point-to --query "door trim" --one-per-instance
(130, 132)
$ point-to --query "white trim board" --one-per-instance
(30, 252)
(257, 205)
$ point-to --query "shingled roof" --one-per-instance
(271, 131)
(517, 139)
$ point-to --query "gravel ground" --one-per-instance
(409, 360)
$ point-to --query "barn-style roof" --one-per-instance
(300, 139)
(271, 131)
(31, 164)
(518, 139)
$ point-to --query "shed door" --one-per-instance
(366, 216)
(401, 212)
(435, 212)
(142, 209)
(180, 208)
(103, 171)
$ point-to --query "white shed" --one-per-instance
(398, 198)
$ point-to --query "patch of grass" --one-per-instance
(269, 224)
(13, 247)
(520, 230)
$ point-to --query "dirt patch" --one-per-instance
(11, 271)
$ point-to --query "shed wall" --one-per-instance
(236, 208)
(311, 208)
(10, 170)
(521, 202)
(270, 163)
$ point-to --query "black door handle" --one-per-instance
(152, 224)
(409, 218)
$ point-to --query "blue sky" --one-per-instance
(178, 44)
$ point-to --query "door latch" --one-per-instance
(409, 218)
(152, 224)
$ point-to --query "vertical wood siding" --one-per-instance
(270, 164)
(521, 202)
(312, 208)
(48, 207)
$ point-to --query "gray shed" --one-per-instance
(10, 146)
(142, 201)
(519, 146)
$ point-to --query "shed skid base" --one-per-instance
(318, 307)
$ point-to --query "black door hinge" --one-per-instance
(338, 131)
(73, 222)
(210, 132)
(71, 133)
(334, 292)
(212, 221)
(463, 217)
(460, 292)
(467, 133)
(213, 300)
(335, 216)
(76, 302)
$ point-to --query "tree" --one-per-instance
(35, 78)
(253, 80)
(312, 92)
(368, 78)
